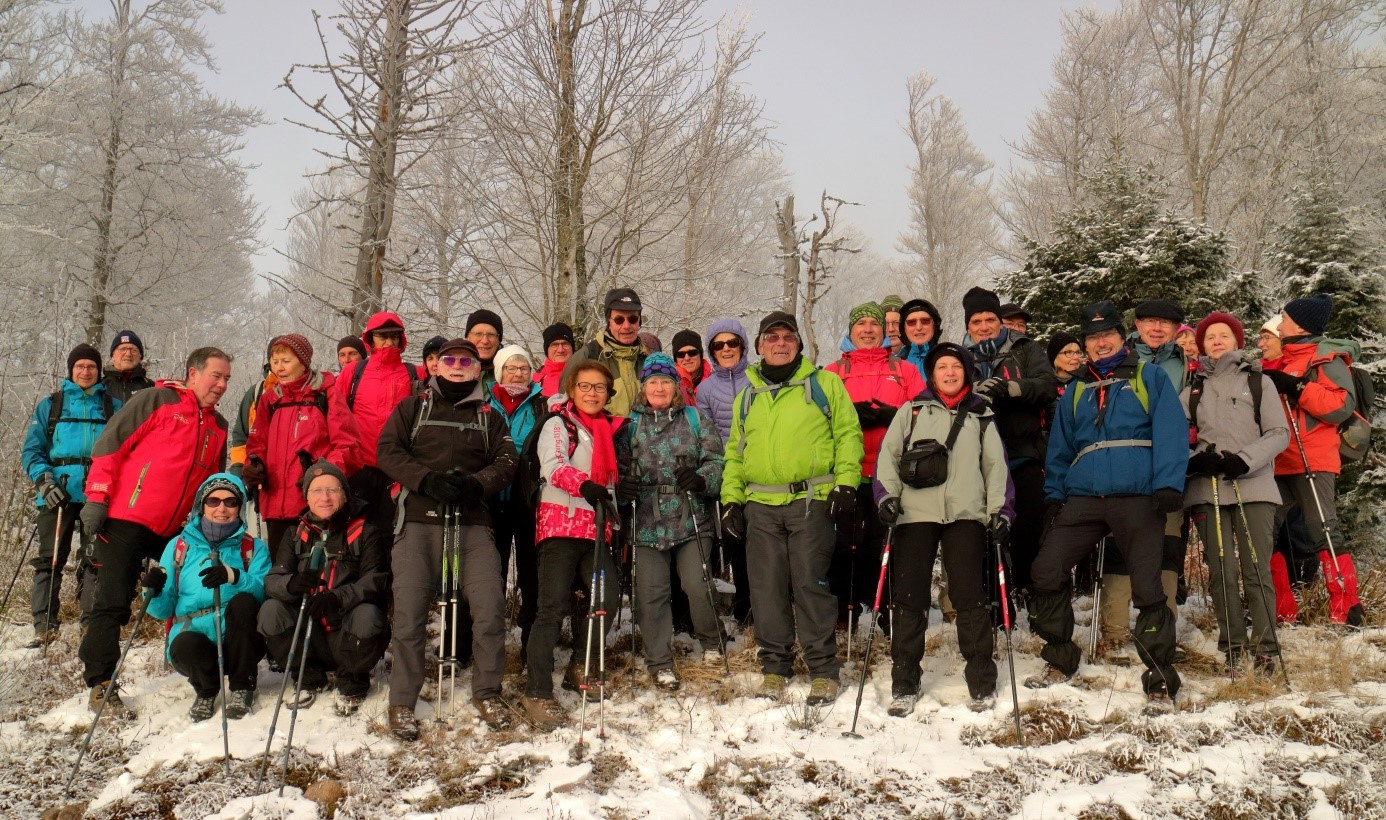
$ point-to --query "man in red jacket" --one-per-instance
(145, 470)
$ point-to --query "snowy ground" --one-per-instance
(1234, 749)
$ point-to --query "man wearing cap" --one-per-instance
(878, 385)
(1157, 324)
(373, 387)
(449, 452)
(1015, 318)
(618, 347)
(125, 375)
(890, 306)
(1315, 387)
(56, 452)
(146, 468)
(559, 344)
(1117, 455)
(486, 331)
(793, 463)
(349, 349)
(1014, 374)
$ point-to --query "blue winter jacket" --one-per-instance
(1123, 469)
(80, 423)
(1169, 356)
(527, 414)
(186, 596)
(717, 393)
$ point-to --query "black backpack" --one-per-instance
(55, 415)
(528, 480)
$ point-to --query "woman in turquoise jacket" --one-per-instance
(237, 569)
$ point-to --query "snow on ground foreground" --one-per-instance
(1241, 748)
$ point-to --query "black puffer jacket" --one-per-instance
(1020, 420)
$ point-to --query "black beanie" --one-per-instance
(558, 332)
(83, 352)
(433, 345)
(1311, 312)
(483, 316)
(127, 337)
(353, 342)
(1058, 342)
(917, 305)
(686, 338)
(980, 300)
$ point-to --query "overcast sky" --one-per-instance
(830, 72)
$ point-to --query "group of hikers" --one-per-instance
(387, 488)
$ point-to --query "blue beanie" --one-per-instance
(1311, 312)
(658, 364)
(127, 337)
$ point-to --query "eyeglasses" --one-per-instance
(322, 491)
(734, 344)
(589, 387)
(516, 368)
(212, 502)
(618, 319)
(1075, 353)
(481, 334)
(457, 361)
(923, 321)
(687, 353)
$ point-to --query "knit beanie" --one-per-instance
(558, 331)
(83, 352)
(127, 337)
(323, 467)
(686, 338)
(353, 342)
(432, 346)
(649, 341)
(1058, 342)
(1272, 325)
(1214, 318)
(482, 316)
(980, 300)
(1311, 312)
(864, 310)
(299, 344)
(892, 302)
(658, 364)
(505, 354)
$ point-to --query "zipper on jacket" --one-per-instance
(197, 460)
(139, 483)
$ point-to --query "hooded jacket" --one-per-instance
(717, 393)
(386, 382)
(872, 375)
(1021, 420)
(688, 388)
(1227, 422)
(1324, 403)
(651, 443)
(66, 455)
(290, 432)
(154, 454)
(184, 598)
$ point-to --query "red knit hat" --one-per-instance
(1219, 317)
(298, 344)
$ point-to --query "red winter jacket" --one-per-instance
(874, 375)
(289, 421)
(154, 454)
(550, 378)
(688, 388)
(385, 383)
(1323, 405)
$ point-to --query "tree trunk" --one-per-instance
(569, 229)
(789, 254)
(103, 257)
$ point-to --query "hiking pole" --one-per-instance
(53, 580)
(443, 579)
(298, 684)
(1314, 491)
(707, 577)
(601, 656)
(852, 596)
(1006, 626)
(456, 606)
(1270, 616)
(110, 687)
(315, 561)
(599, 520)
(871, 638)
(33, 536)
(1097, 601)
(1222, 566)
(221, 669)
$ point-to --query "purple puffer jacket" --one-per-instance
(717, 393)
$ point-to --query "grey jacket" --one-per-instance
(1227, 422)
(977, 472)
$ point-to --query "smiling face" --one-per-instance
(949, 376)
(560, 350)
(125, 357)
(983, 326)
(779, 346)
(85, 373)
(892, 327)
(209, 383)
(1069, 359)
(689, 360)
(866, 333)
(326, 496)
(727, 349)
(623, 325)
(1103, 343)
(515, 370)
(1269, 343)
(1155, 332)
(919, 328)
(1189, 343)
(1218, 339)
(459, 365)
(659, 392)
(227, 509)
(486, 339)
(590, 390)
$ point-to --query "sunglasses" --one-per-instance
(734, 344)
(625, 320)
(215, 501)
(457, 361)
(687, 353)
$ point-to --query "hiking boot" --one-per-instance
(822, 691)
(902, 705)
(495, 713)
(1356, 616)
(773, 686)
(203, 708)
(666, 679)
(1158, 702)
(950, 616)
(1264, 665)
(1181, 655)
(572, 677)
(985, 703)
(238, 703)
(713, 655)
(1118, 653)
(403, 724)
(545, 714)
(347, 705)
(42, 638)
(114, 705)
(1051, 676)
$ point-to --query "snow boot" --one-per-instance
(902, 704)
(1342, 587)
(403, 724)
(1286, 607)
(238, 703)
(203, 708)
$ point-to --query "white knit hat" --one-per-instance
(509, 351)
(1272, 326)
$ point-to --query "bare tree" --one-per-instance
(814, 251)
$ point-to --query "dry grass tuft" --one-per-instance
(1106, 810)
(1043, 723)
(1337, 729)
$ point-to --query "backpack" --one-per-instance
(1354, 434)
(689, 413)
(1253, 384)
(812, 391)
(1137, 386)
(180, 552)
(414, 381)
(353, 538)
(55, 415)
(528, 481)
(319, 401)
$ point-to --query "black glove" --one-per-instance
(253, 474)
(628, 488)
(301, 583)
(1168, 501)
(93, 518)
(1205, 462)
(842, 501)
(734, 521)
(1000, 529)
(472, 491)
(52, 493)
(1285, 384)
(688, 479)
(216, 575)
(443, 487)
(153, 580)
(889, 511)
(325, 604)
(1234, 466)
(592, 492)
(995, 388)
(872, 415)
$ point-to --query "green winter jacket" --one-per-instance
(789, 439)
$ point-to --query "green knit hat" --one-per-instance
(863, 310)
(893, 302)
